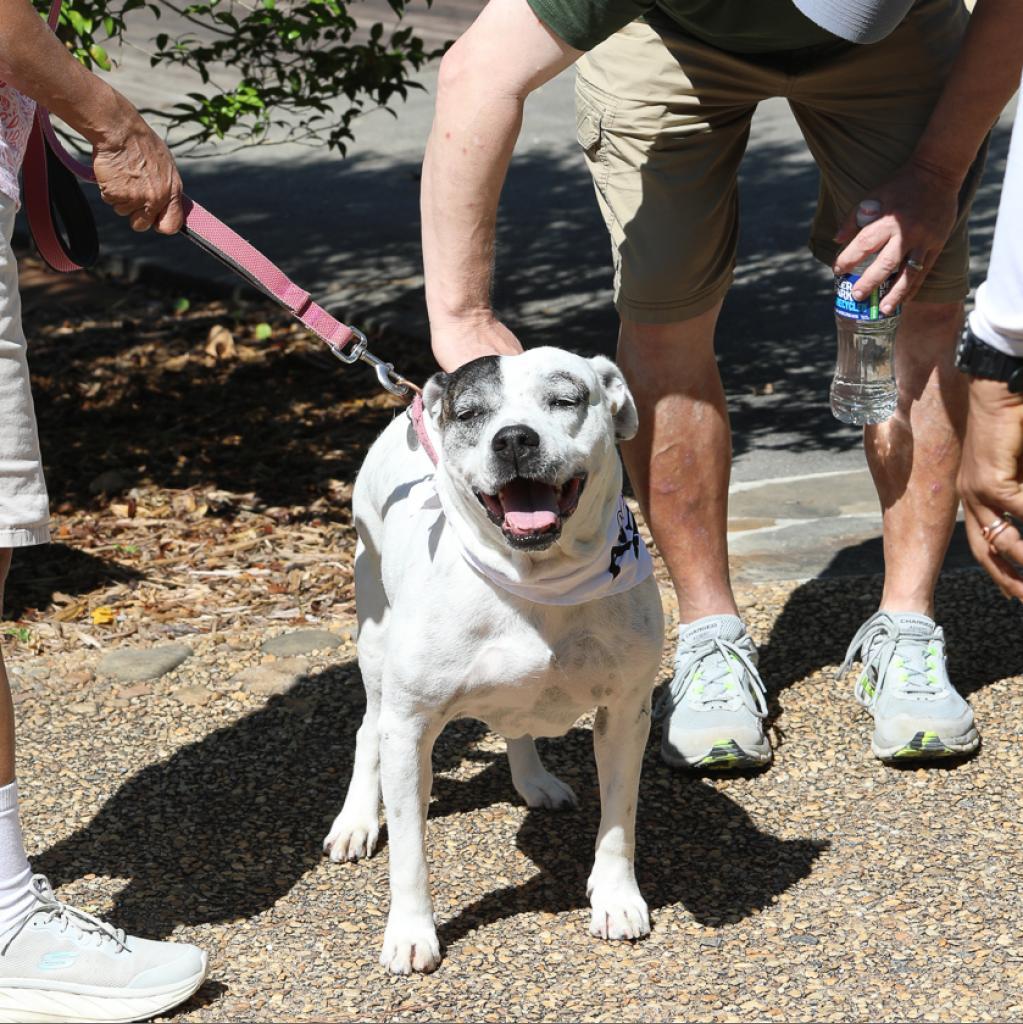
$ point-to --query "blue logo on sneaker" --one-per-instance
(57, 961)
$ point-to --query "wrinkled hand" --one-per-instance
(137, 176)
(457, 343)
(989, 480)
(918, 211)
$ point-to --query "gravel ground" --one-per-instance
(199, 513)
(829, 887)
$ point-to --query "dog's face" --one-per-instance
(523, 436)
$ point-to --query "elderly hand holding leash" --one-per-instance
(506, 583)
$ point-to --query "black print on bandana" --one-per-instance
(628, 537)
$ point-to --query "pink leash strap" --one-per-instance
(416, 413)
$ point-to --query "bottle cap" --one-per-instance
(867, 212)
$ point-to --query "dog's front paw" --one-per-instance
(545, 790)
(619, 912)
(352, 836)
(411, 946)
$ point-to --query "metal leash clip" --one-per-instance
(386, 376)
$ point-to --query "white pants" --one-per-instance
(24, 508)
(997, 317)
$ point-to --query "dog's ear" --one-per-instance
(623, 408)
(433, 394)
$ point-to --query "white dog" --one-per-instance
(507, 583)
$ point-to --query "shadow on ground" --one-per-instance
(233, 821)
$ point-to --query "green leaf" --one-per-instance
(99, 55)
(263, 331)
(182, 305)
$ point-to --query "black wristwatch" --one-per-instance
(979, 359)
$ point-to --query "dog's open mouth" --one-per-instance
(531, 512)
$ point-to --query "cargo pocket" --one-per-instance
(587, 126)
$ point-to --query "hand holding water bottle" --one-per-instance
(863, 389)
(919, 207)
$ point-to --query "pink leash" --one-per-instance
(416, 413)
(210, 234)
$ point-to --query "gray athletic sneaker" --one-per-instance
(716, 701)
(61, 964)
(905, 686)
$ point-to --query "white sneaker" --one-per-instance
(716, 703)
(61, 964)
(918, 715)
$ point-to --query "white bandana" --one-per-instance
(621, 563)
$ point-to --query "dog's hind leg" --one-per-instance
(356, 829)
(532, 781)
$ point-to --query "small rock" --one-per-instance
(130, 665)
(138, 690)
(79, 678)
(196, 696)
(84, 707)
(108, 482)
(300, 641)
(804, 940)
(272, 677)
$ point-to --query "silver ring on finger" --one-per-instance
(992, 530)
(912, 264)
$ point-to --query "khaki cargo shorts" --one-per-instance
(664, 120)
(24, 509)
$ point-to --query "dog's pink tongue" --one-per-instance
(529, 507)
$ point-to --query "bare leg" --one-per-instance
(532, 781)
(6, 705)
(619, 739)
(914, 457)
(680, 461)
(406, 747)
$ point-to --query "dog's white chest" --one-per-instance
(528, 683)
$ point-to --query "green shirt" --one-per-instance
(741, 26)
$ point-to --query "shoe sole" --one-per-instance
(22, 1004)
(723, 756)
(929, 746)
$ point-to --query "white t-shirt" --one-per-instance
(997, 316)
(15, 125)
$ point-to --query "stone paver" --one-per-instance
(301, 641)
(130, 664)
(272, 677)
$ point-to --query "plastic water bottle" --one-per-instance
(863, 389)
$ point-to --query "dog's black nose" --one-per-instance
(515, 441)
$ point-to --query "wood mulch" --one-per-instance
(199, 454)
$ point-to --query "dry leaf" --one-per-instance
(220, 343)
(103, 615)
(176, 363)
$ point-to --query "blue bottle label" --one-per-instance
(861, 309)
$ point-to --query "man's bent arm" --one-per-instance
(922, 201)
(484, 80)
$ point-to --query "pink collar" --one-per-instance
(416, 412)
